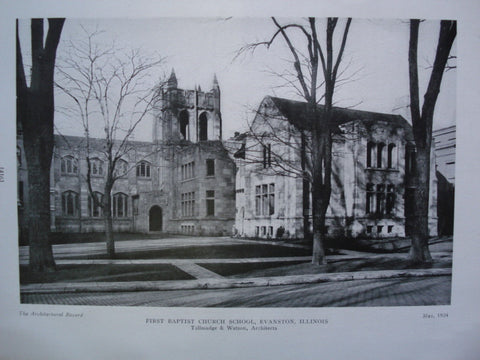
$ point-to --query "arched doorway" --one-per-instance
(155, 217)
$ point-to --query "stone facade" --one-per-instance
(180, 182)
(370, 174)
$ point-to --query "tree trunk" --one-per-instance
(109, 236)
(419, 251)
(319, 210)
(422, 123)
(38, 211)
(305, 188)
(35, 112)
(321, 189)
(107, 212)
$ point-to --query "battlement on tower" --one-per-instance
(188, 115)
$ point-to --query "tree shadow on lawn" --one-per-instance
(108, 273)
(335, 266)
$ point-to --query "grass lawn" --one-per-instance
(208, 252)
(78, 238)
(83, 273)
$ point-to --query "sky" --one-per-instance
(375, 63)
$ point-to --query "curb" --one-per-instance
(224, 283)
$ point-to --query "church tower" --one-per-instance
(187, 115)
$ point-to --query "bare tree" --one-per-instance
(35, 113)
(111, 87)
(316, 69)
(422, 130)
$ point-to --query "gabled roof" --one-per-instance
(96, 144)
(295, 112)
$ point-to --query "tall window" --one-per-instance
(143, 169)
(184, 128)
(392, 156)
(410, 158)
(210, 167)
(380, 199)
(203, 127)
(370, 206)
(95, 208)
(96, 166)
(70, 204)
(390, 206)
(188, 204)
(210, 196)
(370, 153)
(68, 165)
(265, 199)
(267, 156)
(120, 205)
(187, 171)
(380, 154)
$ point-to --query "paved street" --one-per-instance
(378, 292)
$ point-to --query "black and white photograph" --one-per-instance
(236, 162)
(239, 179)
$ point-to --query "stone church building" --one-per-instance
(371, 174)
(180, 182)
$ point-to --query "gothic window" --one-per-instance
(95, 207)
(380, 154)
(120, 205)
(370, 153)
(96, 167)
(70, 204)
(203, 127)
(392, 156)
(69, 165)
(184, 128)
(143, 169)
(210, 167)
(210, 196)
